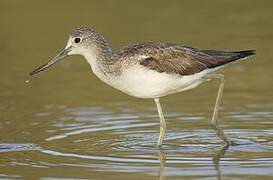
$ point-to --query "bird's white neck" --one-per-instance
(100, 64)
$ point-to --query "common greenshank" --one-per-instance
(152, 69)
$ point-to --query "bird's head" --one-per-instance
(82, 41)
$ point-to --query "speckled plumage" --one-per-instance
(162, 57)
(173, 58)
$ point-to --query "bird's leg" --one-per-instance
(162, 160)
(214, 121)
(162, 122)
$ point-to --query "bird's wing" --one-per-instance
(183, 62)
(176, 59)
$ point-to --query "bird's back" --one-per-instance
(174, 58)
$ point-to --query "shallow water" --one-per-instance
(66, 124)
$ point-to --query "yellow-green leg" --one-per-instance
(162, 122)
(214, 122)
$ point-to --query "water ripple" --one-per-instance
(11, 147)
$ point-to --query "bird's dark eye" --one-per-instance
(77, 40)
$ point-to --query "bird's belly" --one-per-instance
(143, 83)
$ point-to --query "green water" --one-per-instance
(65, 123)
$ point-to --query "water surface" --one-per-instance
(65, 123)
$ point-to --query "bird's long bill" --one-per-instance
(57, 58)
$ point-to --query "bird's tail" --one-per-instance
(222, 57)
(243, 54)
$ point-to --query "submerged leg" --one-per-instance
(162, 122)
(214, 121)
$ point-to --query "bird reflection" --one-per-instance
(215, 159)
(162, 160)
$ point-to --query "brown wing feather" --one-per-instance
(183, 66)
(175, 59)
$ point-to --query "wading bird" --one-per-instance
(150, 70)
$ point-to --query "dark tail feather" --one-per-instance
(243, 54)
(222, 57)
